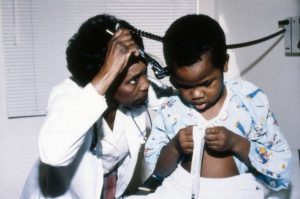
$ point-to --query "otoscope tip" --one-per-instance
(109, 32)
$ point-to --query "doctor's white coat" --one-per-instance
(68, 168)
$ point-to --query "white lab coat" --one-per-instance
(68, 168)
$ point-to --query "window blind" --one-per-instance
(35, 35)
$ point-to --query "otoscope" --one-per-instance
(159, 71)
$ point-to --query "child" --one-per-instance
(242, 140)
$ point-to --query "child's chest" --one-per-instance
(234, 117)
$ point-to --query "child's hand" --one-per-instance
(220, 139)
(184, 139)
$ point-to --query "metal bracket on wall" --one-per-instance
(291, 35)
(299, 156)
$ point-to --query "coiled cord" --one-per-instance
(230, 46)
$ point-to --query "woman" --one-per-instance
(96, 120)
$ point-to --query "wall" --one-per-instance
(265, 64)
(18, 143)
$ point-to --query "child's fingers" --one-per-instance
(210, 137)
(187, 147)
(211, 134)
(185, 137)
(212, 143)
(212, 130)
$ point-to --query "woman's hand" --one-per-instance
(119, 49)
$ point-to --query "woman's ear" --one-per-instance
(225, 68)
(171, 80)
(173, 83)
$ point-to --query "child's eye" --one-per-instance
(184, 87)
(207, 83)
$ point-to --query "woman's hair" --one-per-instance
(87, 49)
(191, 36)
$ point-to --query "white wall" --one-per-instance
(18, 143)
(266, 63)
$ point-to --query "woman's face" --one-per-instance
(133, 90)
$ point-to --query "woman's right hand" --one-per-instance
(120, 48)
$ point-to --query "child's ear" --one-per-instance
(225, 68)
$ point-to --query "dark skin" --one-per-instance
(128, 79)
(133, 91)
(201, 85)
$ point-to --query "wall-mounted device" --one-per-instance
(291, 35)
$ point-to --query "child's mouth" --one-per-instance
(201, 106)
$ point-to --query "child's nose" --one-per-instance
(197, 93)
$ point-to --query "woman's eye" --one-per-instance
(133, 82)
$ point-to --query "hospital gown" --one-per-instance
(245, 112)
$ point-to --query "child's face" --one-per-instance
(200, 84)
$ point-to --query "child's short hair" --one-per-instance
(191, 36)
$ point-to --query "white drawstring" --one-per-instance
(198, 138)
